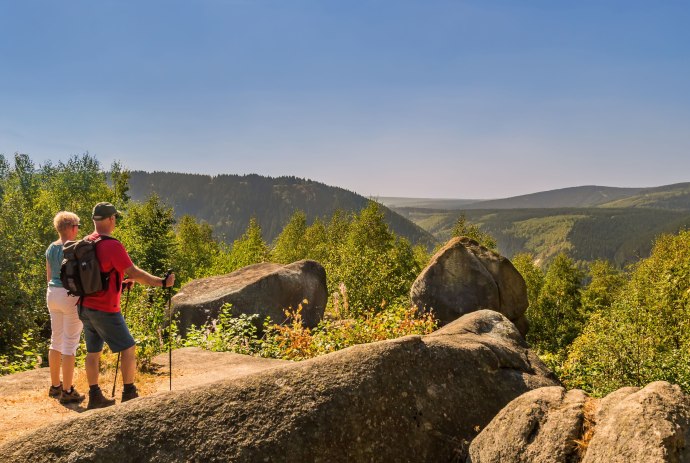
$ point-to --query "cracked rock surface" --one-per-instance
(550, 425)
(417, 398)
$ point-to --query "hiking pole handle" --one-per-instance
(165, 279)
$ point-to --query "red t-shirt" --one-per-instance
(113, 258)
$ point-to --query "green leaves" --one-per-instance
(249, 249)
(30, 197)
(644, 335)
(556, 318)
(147, 233)
(464, 228)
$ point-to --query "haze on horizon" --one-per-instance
(446, 99)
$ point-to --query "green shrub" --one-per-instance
(292, 341)
(24, 356)
(645, 335)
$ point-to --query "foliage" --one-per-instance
(196, 249)
(620, 328)
(391, 322)
(645, 334)
(228, 202)
(360, 252)
(292, 341)
(31, 196)
(24, 356)
(228, 334)
(146, 231)
(606, 283)
(249, 249)
(557, 319)
(376, 266)
(464, 228)
(145, 311)
(533, 275)
(291, 245)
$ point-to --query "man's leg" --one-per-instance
(94, 347)
(92, 364)
(129, 365)
(129, 369)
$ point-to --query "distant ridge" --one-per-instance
(579, 196)
(427, 203)
(671, 197)
(587, 222)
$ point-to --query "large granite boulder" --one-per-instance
(631, 425)
(540, 426)
(266, 289)
(463, 277)
(416, 398)
(651, 425)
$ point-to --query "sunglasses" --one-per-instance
(78, 225)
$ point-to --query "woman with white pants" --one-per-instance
(64, 318)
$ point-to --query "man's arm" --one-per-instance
(140, 276)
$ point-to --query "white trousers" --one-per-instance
(64, 321)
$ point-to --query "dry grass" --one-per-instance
(588, 426)
(146, 382)
(27, 410)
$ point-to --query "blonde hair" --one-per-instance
(63, 220)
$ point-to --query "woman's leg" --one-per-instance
(72, 328)
(56, 334)
(54, 358)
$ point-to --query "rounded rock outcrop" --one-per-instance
(464, 276)
(266, 289)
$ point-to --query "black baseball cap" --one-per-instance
(104, 210)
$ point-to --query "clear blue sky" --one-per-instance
(463, 99)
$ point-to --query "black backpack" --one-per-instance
(80, 271)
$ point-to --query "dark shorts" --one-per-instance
(102, 326)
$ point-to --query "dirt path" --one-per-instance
(25, 405)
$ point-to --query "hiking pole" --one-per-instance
(169, 288)
(124, 315)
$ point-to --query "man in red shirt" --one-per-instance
(100, 312)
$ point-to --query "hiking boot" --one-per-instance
(71, 396)
(98, 400)
(129, 395)
(55, 391)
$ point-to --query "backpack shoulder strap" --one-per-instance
(106, 238)
(100, 238)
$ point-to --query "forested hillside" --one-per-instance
(674, 197)
(227, 202)
(620, 235)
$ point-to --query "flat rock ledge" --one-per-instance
(416, 398)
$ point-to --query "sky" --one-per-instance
(428, 98)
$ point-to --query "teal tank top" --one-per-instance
(54, 259)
